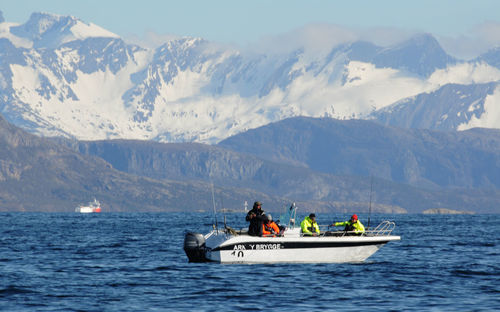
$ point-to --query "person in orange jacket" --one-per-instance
(269, 227)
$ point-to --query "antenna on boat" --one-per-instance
(215, 210)
(370, 209)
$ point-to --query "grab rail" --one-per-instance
(385, 228)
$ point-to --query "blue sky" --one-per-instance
(245, 22)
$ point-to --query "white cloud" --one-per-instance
(150, 39)
(489, 32)
(385, 36)
(465, 73)
(321, 38)
(475, 42)
(318, 38)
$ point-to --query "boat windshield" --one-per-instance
(288, 218)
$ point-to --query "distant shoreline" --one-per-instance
(447, 211)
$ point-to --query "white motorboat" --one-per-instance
(230, 246)
(94, 206)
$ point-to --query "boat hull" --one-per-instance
(85, 210)
(247, 249)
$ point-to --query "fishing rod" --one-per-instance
(215, 210)
(223, 210)
(370, 209)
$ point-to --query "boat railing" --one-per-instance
(385, 228)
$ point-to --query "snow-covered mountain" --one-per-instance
(62, 76)
(453, 106)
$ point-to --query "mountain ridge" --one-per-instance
(434, 111)
(93, 85)
(289, 168)
(38, 174)
(41, 174)
(422, 158)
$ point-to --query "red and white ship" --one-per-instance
(91, 207)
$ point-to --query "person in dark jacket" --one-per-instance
(254, 216)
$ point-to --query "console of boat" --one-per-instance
(231, 246)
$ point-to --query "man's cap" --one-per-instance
(354, 217)
(312, 215)
(257, 203)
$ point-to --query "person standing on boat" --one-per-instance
(353, 225)
(309, 226)
(269, 227)
(254, 216)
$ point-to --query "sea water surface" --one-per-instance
(135, 262)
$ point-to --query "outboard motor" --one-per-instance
(194, 246)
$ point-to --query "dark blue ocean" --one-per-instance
(135, 262)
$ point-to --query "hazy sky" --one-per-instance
(246, 22)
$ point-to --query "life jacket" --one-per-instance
(308, 226)
(270, 228)
(357, 226)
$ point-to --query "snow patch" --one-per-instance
(83, 30)
(24, 81)
(367, 89)
(18, 42)
(184, 85)
(490, 118)
(474, 106)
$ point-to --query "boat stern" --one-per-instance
(195, 247)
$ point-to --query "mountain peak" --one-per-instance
(421, 54)
(41, 22)
(422, 39)
(491, 57)
(52, 30)
(183, 43)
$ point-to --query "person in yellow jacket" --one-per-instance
(353, 225)
(309, 226)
